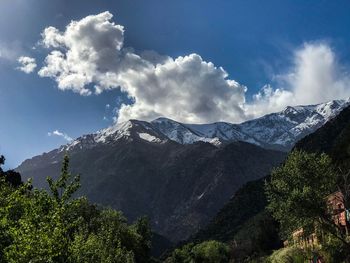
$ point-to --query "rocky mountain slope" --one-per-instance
(178, 174)
(279, 130)
(141, 172)
(333, 138)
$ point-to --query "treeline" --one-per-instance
(40, 226)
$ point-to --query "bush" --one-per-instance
(287, 255)
(206, 252)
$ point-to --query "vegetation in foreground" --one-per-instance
(297, 195)
(37, 226)
(55, 226)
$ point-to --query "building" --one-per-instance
(337, 209)
(338, 212)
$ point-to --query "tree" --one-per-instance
(111, 242)
(41, 234)
(297, 193)
(211, 251)
(143, 230)
(37, 226)
(66, 185)
(2, 160)
(12, 177)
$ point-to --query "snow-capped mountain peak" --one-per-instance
(280, 130)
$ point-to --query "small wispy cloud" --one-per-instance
(9, 52)
(60, 134)
(27, 64)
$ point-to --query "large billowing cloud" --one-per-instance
(88, 57)
(87, 50)
(186, 88)
(315, 77)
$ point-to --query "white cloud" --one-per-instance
(88, 57)
(86, 50)
(60, 134)
(315, 77)
(186, 88)
(269, 100)
(28, 64)
(9, 52)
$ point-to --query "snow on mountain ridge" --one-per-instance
(278, 130)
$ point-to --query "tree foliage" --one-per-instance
(298, 192)
(39, 226)
(206, 252)
(12, 177)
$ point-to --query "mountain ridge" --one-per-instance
(279, 131)
(178, 174)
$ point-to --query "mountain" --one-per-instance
(279, 130)
(283, 129)
(245, 213)
(333, 138)
(247, 202)
(244, 222)
(137, 169)
(178, 174)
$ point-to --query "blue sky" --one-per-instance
(256, 43)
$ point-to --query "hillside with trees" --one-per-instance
(293, 197)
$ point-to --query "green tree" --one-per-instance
(211, 252)
(182, 255)
(12, 177)
(206, 252)
(297, 193)
(107, 244)
(37, 226)
(144, 235)
(41, 233)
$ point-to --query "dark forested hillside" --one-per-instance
(180, 187)
(244, 219)
(333, 138)
(244, 223)
(246, 203)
